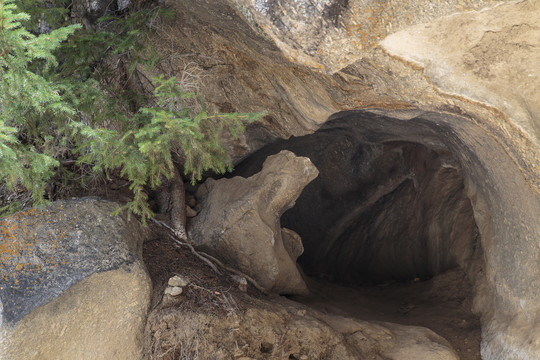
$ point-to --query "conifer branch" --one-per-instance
(50, 103)
(6, 47)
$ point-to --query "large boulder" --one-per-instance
(73, 283)
(239, 221)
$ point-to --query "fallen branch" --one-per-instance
(209, 259)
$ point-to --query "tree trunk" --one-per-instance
(172, 201)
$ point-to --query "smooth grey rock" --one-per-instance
(45, 251)
(76, 286)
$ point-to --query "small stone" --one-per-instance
(303, 357)
(242, 282)
(178, 281)
(191, 201)
(190, 212)
(173, 291)
(301, 312)
(123, 4)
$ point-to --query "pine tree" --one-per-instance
(26, 94)
(44, 105)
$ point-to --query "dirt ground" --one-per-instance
(441, 304)
(164, 259)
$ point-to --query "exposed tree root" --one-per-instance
(234, 271)
(208, 259)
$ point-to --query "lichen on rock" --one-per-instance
(73, 283)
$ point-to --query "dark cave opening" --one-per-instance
(387, 228)
(389, 204)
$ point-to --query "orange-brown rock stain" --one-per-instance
(19, 242)
(366, 28)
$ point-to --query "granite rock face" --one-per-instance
(467, 68)
(329, 35)
(45, 251)
(74, 285)
(491, 60)
(240, 221)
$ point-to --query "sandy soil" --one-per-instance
(441, 304)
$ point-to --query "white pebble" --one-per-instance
(177, 280)
(173, 291)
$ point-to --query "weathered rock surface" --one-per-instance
(99, 318)
(391, 341)
(491, 60)
(247, 72)
(285, 330)
(45, 251)
(328, 35)
(74, 286)
(464, 74)
(240, 220)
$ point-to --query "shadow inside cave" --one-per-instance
(387, 228)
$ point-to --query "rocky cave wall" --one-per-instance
(469, 69)
(388, 205)
(452, 158)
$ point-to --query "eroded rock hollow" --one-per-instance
(389, 203)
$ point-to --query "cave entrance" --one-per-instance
(387, 228)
